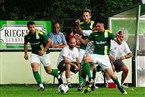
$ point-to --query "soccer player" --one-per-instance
(40, 53)
(68, 60)
(84, 29)
(117, 53)
(102, 40)
(57, 37)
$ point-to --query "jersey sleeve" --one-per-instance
(64, 52)
(44, 36)
(111, 35)
(127, 50)
(25, 40)
(63, 38)
(91, 36)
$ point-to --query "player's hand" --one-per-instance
(77, 36)
(77, 22)
(122, 57)
(26, 57)
(77, 68)
(40, 53)
(112, 58)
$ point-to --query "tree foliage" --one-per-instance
(59, 9)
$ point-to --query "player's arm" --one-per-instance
(78, 28)
(128, 55)
(83, 41)
(112, 58)
(78, 62)
(66, 61)
(25, 48)
(60, 45)
(25, 51)
(49, 42)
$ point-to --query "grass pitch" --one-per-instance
(52, 91)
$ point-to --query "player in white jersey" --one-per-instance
(69, 60)
(117, 50)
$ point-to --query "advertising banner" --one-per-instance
(12, 32)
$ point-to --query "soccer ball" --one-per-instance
(63, 88)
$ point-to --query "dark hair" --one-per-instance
(30, 23)
(87, 10)
(120, 32)
(56, 22)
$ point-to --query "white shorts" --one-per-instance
(81, 54)
(45, 59)
(102, 60)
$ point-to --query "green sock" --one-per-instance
(86, 67)
(54, 72)
(37, 77)
(80, 78)
(117, 82)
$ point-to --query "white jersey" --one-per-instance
(117, 50)
(70, 54)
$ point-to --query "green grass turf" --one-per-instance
(52, 91)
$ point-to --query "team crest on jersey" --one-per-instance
(96, 35)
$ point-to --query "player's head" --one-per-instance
(86, 15)
(120, 35)
(99, 25)
(56, 27)
(72, 43)
(31, 27)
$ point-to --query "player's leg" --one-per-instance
(81, 82)
(115, 79)
(120, 66)
(67, 74)
(109, 80)
(37, 76)
(35, 61)
(45, 59)
(124, 70)
(86, 66)
(104, 62)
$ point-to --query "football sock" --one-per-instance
(54, 72)
(86, 66)
(68, 80)
(80, 78)
(94, 74)
(37, 77)
(117, 82)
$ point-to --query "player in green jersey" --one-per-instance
(84, 29)
(40, 53)
(102, 40)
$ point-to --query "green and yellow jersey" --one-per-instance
(38, 41)
(102, 41)
(87, 30)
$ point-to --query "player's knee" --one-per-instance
(86, 59)
(125, 69)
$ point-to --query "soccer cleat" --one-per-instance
(124, 86)
(93, 87)
(70, 85)
(41, 89)
(86, 90)
(122, 91)
(80, 88)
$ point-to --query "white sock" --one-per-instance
(68, 80)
